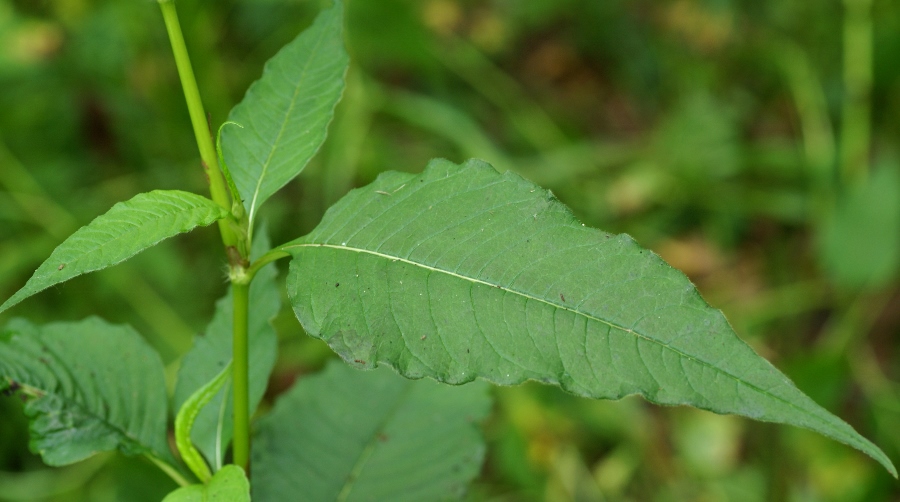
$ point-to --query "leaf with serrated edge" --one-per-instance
(350, 435)
(211, 352)
(95, 387)
(285, 114)
(122, 232)
(230, 484)
(461, 272)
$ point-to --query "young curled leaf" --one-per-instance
(184, 422)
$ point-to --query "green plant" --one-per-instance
(458, 273)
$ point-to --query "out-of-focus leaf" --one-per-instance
(461, 272)
(860, 241)
(94, 387)
(352, 435)
(124, 231)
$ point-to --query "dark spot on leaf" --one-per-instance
(382, 437)
(337, 284)
(61, 266)
(44, 361)
(423, 337)
(561, 297)
(359, 361)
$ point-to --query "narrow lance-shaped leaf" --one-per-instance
(462, 272)
(93, 387)
(124, 231)
(228, 485)
(211, 352)
(285, 114)
(351, 435)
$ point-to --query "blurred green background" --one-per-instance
(751, 143)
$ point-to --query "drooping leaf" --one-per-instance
(184, 423)
(211, 352)
(462, 272)
(125, 230)
(351, 435)
(228, 485)
(94, 387)
(285, 114)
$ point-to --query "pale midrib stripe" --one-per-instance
(287, 117)
(577, 312)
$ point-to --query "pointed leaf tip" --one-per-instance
(286, 112)
(125, 230)
(464, 273)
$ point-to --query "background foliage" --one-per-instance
(710, 130)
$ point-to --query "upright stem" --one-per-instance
(241, 452)
(221, 195)
(217, 187)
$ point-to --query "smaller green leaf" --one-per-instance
(285, 114)
(353, 435)
(228, 485)
(125, 230)
(184, 422)
(94, 387)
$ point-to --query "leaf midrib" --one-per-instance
(555, 305)
(284, 122)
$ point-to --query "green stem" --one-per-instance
(217, 187)
(241, 452)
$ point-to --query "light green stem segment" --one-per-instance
(184, 422)
(857, 109)
(241, 451)
(217, 187)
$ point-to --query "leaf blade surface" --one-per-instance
(230, 484)
(94, 387)
(462, 272)
(285, 114)
(350, 435)
(125, 230)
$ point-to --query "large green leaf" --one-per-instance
(125, 230)
(285, 114)
(351, 435)
(462, 272)
(228, 485)
(94, 387)
(211, 352)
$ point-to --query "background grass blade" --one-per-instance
(350, 435)
(91, 387)
(124, 231)
(462, 272)
(285, 113)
